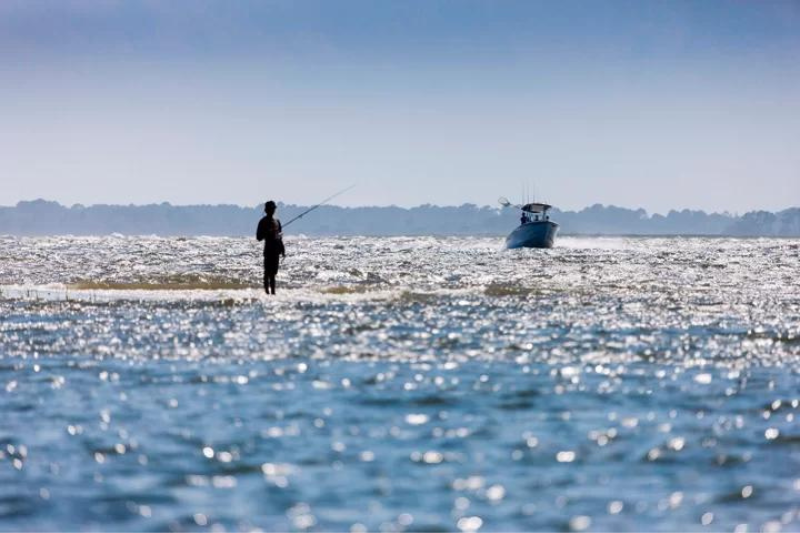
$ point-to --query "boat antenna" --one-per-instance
(323, 202)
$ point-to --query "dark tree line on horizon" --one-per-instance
(41, 217)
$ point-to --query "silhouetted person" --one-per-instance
(270, 231)
(523, 219)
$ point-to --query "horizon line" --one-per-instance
(391, 206)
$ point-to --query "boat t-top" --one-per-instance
(535, 230)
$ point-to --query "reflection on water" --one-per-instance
(400, 384)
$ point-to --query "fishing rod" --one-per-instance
(323, 202)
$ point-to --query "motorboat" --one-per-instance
(535, 230)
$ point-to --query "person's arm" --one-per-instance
(280, 239)
(260, 230)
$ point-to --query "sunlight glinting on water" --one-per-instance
(411, 383)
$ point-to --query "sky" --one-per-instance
(657, 104)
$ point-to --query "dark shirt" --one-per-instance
(270, 231)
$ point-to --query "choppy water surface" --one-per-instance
(400, 384)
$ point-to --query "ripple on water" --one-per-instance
(399, 384)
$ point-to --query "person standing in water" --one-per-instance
(270, 231)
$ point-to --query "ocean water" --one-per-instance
(400, 384)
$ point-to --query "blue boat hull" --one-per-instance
(541, 234)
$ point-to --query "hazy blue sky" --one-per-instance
(654, 104)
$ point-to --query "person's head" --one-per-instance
(270, 207)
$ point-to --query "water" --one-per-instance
(400, 384)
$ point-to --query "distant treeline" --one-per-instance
(42, 217)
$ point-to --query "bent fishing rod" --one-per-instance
(323, 202)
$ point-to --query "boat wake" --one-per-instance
(594, 243)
